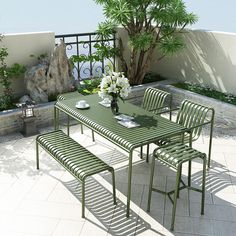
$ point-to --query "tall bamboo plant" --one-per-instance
(151, 25)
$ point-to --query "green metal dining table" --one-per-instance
(102, 121)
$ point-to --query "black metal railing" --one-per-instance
(82, 45)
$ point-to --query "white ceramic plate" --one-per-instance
(82, 107)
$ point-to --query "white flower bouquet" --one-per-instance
(114, 85)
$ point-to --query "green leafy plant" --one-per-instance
(6, 73)
(150, 25)
(102, 52)
(89, 86)
(42, 58)
(207, 91)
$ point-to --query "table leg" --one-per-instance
(129, 182)
(56, 118)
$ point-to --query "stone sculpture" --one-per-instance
(50, 79)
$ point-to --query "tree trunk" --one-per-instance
(124, 67)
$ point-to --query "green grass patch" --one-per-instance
(207, 91)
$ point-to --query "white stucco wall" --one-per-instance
(21, 46)
(209, 58)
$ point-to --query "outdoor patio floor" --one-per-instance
(48, 201)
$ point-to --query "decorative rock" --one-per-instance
(45, 80)
(36, 83)
(59, 76)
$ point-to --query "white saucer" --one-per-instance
(82, 107)
(105, 104)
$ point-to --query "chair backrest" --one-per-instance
(154, 100)
(195, 116)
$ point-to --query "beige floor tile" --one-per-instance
(68, 227)
(48, 201)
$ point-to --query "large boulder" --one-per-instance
(50, 79)
(36, 83)
(59, 76)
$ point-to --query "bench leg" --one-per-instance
(37, 155)
(83, 198)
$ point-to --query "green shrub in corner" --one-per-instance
(6, 73)
(207, 91)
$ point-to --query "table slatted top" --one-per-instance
(101, 120)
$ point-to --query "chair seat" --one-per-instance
(175, 154)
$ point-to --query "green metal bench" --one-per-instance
(174, 155)
(72, 95)
(73, 157)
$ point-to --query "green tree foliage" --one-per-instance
(151, 25)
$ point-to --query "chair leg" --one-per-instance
(151, 183)
(189, 173)
(179, 181)
(175, 198)
(203, 185)
(83, 198)
(210, 144)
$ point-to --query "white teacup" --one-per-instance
(81, 103)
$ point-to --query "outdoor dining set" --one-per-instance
(134, 127)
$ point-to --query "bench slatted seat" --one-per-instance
(76, 159)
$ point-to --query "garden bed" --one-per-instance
(225, 119)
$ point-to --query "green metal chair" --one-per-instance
(193, 116)
(174, 155)
(70, 95)
(158, 102)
